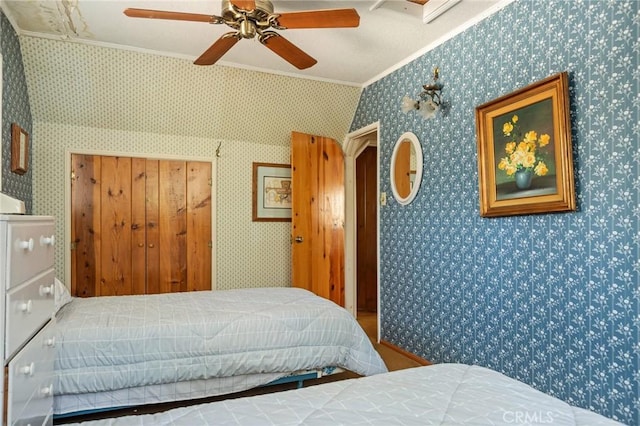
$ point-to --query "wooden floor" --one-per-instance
(368, 321)
(393, 359)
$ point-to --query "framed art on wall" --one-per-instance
(271, 192)
(525, 161)
(19, 149)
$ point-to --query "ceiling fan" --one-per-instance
(251, 18)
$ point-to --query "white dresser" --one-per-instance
(27, 299)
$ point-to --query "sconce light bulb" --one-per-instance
(428, 109)
(408, 104)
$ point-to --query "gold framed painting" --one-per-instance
(525, 160)
(19, 149)
(271, 192)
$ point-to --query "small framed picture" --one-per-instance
(525, 161)
(271, 192)
(19, 149)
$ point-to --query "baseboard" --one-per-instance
(409, 355)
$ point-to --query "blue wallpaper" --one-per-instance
(15, 109)
(550, 299)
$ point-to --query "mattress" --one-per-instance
(126, 345)
(441, 394)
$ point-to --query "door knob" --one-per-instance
(299, 239)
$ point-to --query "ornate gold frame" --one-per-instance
(545, 103)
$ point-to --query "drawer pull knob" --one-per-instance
(28, 370)
(47, 391)
(47, 241)
(46, 290)
(25, 244)
(51, 342)
(25, 306)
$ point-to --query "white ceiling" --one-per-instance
(391, 32)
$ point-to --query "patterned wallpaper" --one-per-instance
(248, 254)
(551, 299)
(91, 98)
(91, 86)
(15, 109)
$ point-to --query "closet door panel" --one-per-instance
(138, 226)
(198, 226)
(116, 227)
(152, 227)
(173, 226)
(85, 224)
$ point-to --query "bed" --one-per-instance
(123, 351)
(441, 394)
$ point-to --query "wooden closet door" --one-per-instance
(199, 243)
(115, 198)
(85, 225)
(172, 226)
(143, 206)
(140, 226)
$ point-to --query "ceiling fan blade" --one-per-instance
(287, 50)
(217, 49)
(334, 18)
(244, 4)
(176, 16)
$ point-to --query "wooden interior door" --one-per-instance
(140, 226)
(367, 230)
(317, 174)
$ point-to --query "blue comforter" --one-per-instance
(109, 343)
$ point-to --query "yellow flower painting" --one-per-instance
(525, 162)
(523, 152)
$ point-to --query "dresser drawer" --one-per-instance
(34, 420)
(30, 376)
(30, 250)
(28, 307)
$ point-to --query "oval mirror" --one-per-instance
(406, 168)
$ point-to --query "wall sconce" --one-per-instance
(429, 101)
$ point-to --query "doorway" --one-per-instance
(366, 231)
(356, 143)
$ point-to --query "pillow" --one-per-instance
(62, 295)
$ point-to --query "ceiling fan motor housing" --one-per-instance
(247, 22)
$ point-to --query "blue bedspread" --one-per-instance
(438, 395)
(109, 343)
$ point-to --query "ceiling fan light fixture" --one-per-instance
(247, 29)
